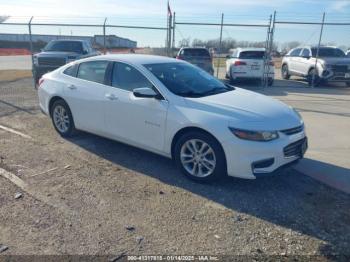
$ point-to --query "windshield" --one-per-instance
(252, 55)
(186, 80)
(65, 46)
(328, 52)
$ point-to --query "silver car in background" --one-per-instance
(198, 56)
(332, 64)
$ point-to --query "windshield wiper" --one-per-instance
(190, 94)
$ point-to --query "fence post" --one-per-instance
(31, 49)
(169, 32)
(174, 24)
(266, 68)
(220, 42)
(104, 36)
(317, 52)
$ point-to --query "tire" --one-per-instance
(317, 79)
(347, 84)
(232, 81)
(270, 82)
(285, 72)
(210, 165)
(62, 118)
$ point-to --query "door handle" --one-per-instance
(111, 97)
(72, 87)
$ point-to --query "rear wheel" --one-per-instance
(200, 157)
(270, 82)
(62, 118)
(232, 80)
(285, 72)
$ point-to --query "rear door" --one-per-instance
(85, 95)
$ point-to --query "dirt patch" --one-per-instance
(12, 75)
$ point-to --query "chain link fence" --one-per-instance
(21, 37)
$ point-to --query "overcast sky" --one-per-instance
(153, 13)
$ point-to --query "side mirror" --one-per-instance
(145, 92)
(228, 57)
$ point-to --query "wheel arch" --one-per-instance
(52, 101)
(188, 129)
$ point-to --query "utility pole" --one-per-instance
(317, 52)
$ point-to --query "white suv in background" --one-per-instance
(332, 64)
(248, 63)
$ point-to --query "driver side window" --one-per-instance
(128, 78)
(305, 53)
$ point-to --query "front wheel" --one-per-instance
(200, 157)
(313, 78)
(285, 72)
(62, 118)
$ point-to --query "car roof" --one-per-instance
(68, 40)
(243, 49)
(137, 59)
(194, 48)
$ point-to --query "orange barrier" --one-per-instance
(14, 51)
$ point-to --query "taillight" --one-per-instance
(239, 63)
(41, 80)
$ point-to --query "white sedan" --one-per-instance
(177, 110)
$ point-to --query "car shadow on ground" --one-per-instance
(290, 199)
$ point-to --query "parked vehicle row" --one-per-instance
(177, 110)
(332, 64)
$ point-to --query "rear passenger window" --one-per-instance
(93, 71)
(128, 78)
(71, 71)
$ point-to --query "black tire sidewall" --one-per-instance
(317, 79)
(71, 128)
(220, 168)
(285, 73)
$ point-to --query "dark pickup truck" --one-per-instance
(58, 53)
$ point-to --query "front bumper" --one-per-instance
(249, 159)
(335, 76)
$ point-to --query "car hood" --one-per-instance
(247, 109)
(56, 54)
(336, 60)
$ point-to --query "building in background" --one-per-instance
(21, 40)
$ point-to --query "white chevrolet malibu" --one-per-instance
(177, 110)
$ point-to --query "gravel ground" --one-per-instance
(92, 196)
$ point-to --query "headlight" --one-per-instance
(35, 60)
(254, 135)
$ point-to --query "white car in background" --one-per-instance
(247, 64)
(177, 110)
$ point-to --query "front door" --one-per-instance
(139, 121)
